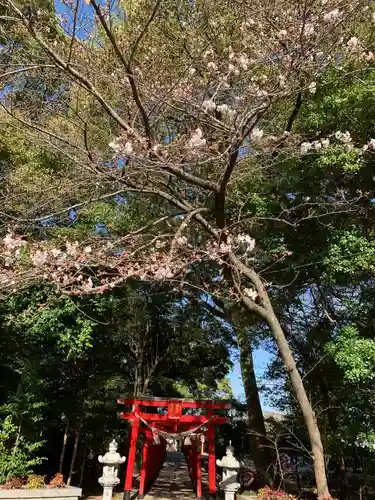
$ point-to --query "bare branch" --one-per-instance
(40, 129)
(74, 30)
(128, 65)
(28, 68)
(85, 82)
(66, 209)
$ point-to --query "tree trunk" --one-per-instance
(63, 448)
(137, 380)
(265, 311)
(303, 400)
(74, 456)
(257, 429)
(82, 466)
(344, 484)
(18, 437)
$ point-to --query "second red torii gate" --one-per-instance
(169, 418)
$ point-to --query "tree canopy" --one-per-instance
(180, 178)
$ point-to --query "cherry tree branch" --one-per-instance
(40, 129)
(85, 82)
(184, 225)
(66, 209)
(127, 64)
(74, 30)
(245, 129)
(28, 68)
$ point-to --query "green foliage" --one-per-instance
(348, 161)
(343, 103)
(74, 357)
(18, 457)
(350, 253)
(354, 355)
(60, 320)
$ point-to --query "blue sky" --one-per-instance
(261, 360)
(85, 14)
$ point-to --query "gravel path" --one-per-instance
(174, 481)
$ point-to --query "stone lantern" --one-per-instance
(111, 462)
(230, 466)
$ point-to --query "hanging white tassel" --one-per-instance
(187, 441)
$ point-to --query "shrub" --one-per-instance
(57, 481)
(14, 483)
(34, 482)
(268, 493)
(17, 460)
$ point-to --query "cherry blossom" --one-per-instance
(208, 105)
(88, 285)
(223, 108)
(160, 244)
(243, 61)
(274, 57)
(225, 248)
(212, 66)
(247, 241)
(256, 135)
(251, 293)
(128, 148)
(282, 80)
(12, 242)
(164, 272)
(312, 87)
(39, 258)
(196, 141)
(353, 43)
(332, 16)
(116, 145)
(72, 248)
(344, 137)
(56, 252)
(318, 145)
(305, 147)
(370, 145)
(181, 241)
(309, 29)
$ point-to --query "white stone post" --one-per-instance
(230, 466)
(110, 461)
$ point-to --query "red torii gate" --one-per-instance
(170, 419)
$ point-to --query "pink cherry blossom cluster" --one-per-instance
(80, 268)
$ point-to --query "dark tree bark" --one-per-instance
(74, 455)
(63, 448)
(258, 443)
